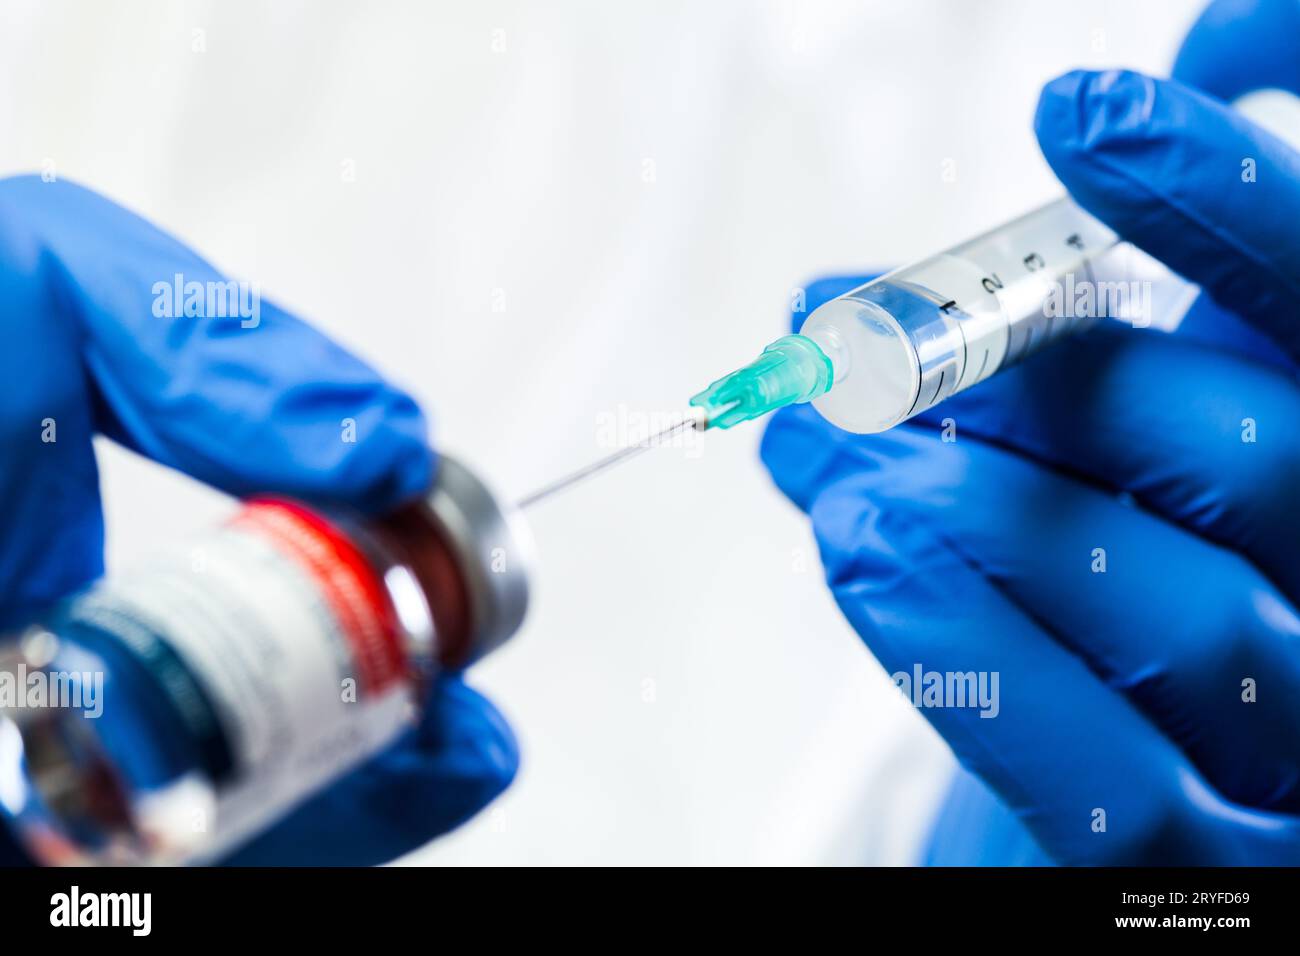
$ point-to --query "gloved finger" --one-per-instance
(1188, 179)
(1192, 634)
(1238, 46)
(1199, 437)
(438, 775)
(974, 828)
(1208, 323)
(1049, 748)
(202, 375)
(1064, 750)
(52, 538)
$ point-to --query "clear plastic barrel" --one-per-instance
(906, 341)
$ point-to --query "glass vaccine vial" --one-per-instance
(247, 670)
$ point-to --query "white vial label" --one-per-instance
(286, 627)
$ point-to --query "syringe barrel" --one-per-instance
(904, 342)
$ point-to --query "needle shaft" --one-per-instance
(609, 461)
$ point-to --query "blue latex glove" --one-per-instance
(242, 409)
(1119, 691)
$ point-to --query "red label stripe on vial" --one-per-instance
(350, 587)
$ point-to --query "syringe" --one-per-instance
(888, 350)
(900, 344)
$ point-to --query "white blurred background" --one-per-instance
(544, 217)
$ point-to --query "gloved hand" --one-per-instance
(1150, 712)
(244, 409)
